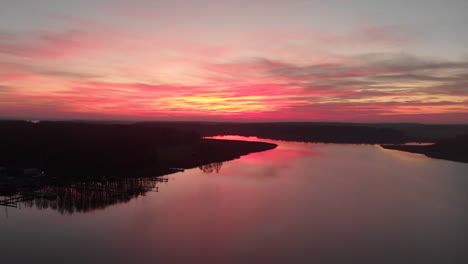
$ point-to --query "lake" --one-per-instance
(298, 203)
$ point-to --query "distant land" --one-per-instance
(326, 132)
(71, 151)
(85, 150)
(109, 147)
(450, 139)
(455, 149)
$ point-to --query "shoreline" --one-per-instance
(431, 151)
(209, 151)
(176, 159)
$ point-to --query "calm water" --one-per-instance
(298, 203)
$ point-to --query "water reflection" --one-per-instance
(88, 196)
(270, 164)
(212, 167)
(298, 203)
(82, 197)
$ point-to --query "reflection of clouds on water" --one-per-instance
(267, 164)
(211, 167)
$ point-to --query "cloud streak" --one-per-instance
(146, 69)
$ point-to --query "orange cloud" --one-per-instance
(102, 71)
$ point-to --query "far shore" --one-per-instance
(454, 150)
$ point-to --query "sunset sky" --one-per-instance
(242, 60)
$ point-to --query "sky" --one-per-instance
(243, 60)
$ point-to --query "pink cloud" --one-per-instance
(316, 87)
(48, 45)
